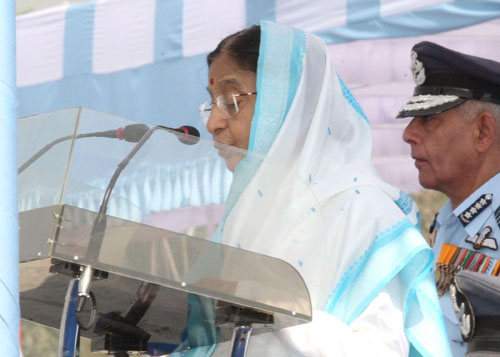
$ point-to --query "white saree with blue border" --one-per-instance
(352, 237)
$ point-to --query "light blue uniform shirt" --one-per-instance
(450, 230)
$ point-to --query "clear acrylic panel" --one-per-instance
(41, 178)
(44, 150)
(162, 223)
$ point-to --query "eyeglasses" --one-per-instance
(226, 103)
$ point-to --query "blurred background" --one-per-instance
(27, 6)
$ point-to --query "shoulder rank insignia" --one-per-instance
(475, 208)
(483, 240)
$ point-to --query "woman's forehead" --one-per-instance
(225, 68)
(223, 78)
(224, 85)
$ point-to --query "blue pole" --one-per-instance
(9, 253)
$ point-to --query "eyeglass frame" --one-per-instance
(203, 112)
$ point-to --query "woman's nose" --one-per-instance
(215, 121)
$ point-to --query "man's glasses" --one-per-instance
(226, 103)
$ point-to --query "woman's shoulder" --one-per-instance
(370, 207)
(373, 198)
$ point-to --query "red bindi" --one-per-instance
(211, 81)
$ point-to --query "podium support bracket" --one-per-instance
(241, 336)
(69, 335)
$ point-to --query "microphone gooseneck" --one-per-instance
(190, 137)
(131, 133)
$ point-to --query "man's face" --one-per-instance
(443, 148)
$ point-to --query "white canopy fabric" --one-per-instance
(145, 60)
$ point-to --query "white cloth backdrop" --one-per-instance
(145, 60)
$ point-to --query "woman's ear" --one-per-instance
(487, 130)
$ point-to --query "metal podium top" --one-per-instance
(161, 223)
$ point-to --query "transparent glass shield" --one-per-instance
(194, 218)
(44, 151)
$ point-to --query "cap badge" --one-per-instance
(417, 68)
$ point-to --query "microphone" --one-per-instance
(132, 133)
(191, 134)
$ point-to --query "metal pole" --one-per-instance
(9, 231)
(68, 332)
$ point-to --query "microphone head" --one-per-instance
(134, 132)
(194, 135)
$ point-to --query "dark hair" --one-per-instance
(242, 46)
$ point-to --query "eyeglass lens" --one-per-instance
(226, 103)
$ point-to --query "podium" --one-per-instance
(159, 274)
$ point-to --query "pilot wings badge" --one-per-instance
(483, 240)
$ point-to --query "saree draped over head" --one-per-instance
(351, 236)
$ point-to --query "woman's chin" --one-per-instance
(232, 158)
(232, 161)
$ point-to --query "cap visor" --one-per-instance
(421, 105)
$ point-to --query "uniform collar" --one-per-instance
(444, 213)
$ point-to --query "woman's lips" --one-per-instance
(222, 152)
(221, 148)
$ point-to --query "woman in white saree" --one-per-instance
(369, 273)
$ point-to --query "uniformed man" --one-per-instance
(455, 142)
